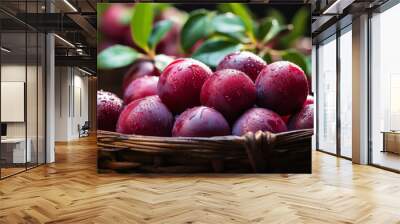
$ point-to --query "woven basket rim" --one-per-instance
(305, 132)
(256, 148)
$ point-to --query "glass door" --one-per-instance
(345, 43)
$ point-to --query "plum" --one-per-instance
(256, 119)
(140, 88)
(170, 44)
(229, 91)
(309, 100)
(200, 122)
(285, 118)
(115, 21)
(282, 87)
(139, 69)
(146, 116)
(244, 61)
(304, 119)
(109, 106)
(128, 40)
(180, 83)
(175, 15)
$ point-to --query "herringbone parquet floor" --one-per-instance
(70, 191)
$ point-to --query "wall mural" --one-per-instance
(204, 88)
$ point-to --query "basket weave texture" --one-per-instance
(260, 152)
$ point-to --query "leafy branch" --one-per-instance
(145, 35)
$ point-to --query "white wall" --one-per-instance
(61, 103)
(71, 102)
(80, 111)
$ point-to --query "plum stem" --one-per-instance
(151, 53)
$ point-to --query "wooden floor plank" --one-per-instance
(71, 191)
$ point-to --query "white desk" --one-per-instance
(17, 145)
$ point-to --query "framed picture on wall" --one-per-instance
(222, 87)
(12, 101)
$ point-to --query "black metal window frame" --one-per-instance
(382, 8)
(340, 29)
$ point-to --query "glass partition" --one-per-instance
(385, 89)
(22, 88)
(15, 150)
(41, 97)
(32, 97)
(326, 102)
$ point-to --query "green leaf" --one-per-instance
(141, 24)
(297, 58)
(267, 58)
(276, 14)
(159, 7)
(212, 51)
(301, 23)
(224, 7)
(228, 23)
(161, 61)
(236, 37)
(197, 27)
(231, 26)
(159, 31)
(268, 29)
(241, 11)
(116, 56)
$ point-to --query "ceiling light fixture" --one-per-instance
(70, 5)
(64, 40)
(337, 7)
(333, 6)
(5, 50)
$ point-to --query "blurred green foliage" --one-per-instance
(209, 35)
(116, 56)
(301, 22)
(141, 25)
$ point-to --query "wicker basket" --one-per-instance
(262, 152)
